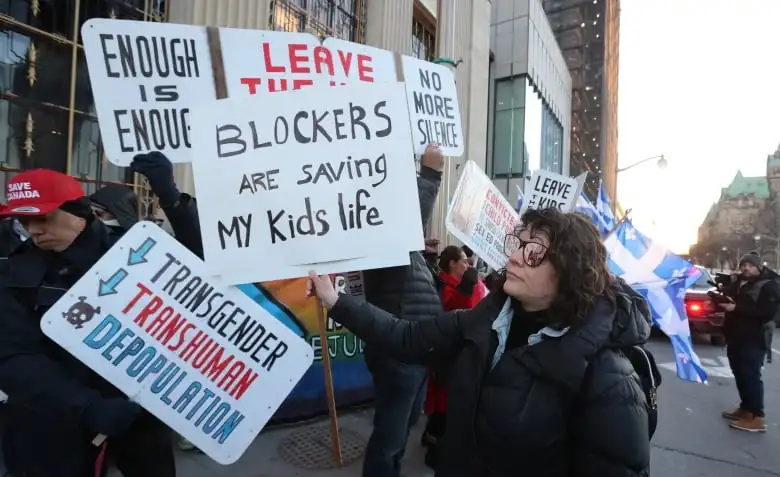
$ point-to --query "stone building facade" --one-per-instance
(746, 217)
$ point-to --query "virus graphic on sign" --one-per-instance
(80, 312)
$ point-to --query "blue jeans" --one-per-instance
(746, 362)
(400, 390)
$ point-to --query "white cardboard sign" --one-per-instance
(302, 180)
(433, 106)
(480, 216)
(148, 77)
(549, 189)
(201, 356)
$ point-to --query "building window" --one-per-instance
(508, 128)
(526, 134)
(37, 111)
(344, 19)
(423, 33)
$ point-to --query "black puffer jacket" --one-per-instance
(409, 291)
(568, 406)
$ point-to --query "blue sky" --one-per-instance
(699, 83)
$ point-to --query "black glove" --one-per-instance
(112, 416)
(158, 170)
(468, 282)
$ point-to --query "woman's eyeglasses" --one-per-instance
(533, 252)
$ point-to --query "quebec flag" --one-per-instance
(662, 278)
(519, 198)
(604, 208)
(586, 207)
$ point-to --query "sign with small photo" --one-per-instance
(301, 180)
(480, 216)
(201, 356)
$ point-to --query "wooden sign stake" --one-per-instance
(322, 318)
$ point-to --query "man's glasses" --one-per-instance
(533, 252)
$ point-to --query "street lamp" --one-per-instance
(662, 163)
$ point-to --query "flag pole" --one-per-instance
(620, 222)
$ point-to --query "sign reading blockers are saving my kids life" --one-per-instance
(202, 357)
(313, 179)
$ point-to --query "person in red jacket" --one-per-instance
(461, 289)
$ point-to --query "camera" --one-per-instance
(723, 283)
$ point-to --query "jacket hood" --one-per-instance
(121, 201)
(632, 319)
(768, 274)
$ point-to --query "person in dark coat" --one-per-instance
(540, 385)
(116, 205)
(56, 404)
(12, 235)
(400, 387)
(755, 301)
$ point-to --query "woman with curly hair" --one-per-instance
(540, 385)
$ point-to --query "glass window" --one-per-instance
(533, 127)
(509, 124)
(321, 17)
(702, 281)
(423, 41)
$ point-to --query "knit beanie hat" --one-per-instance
(752, 258)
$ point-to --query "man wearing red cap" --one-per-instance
(56, 404)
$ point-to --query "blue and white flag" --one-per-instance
(519, 198)
(586, 207)
(604, 207)
(662, 278)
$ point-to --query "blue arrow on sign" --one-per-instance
(108, 287)
(138, 255)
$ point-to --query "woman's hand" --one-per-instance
(321, 286)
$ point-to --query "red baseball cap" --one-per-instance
(38, 192)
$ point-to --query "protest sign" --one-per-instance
(301, 180)
(433, 106)
(202, 357)
(480, 216)
(548, 189)
(147, 77)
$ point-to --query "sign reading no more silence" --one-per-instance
(202, 357)
(433, 106)
(313, 179)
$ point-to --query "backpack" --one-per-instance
(645, 367)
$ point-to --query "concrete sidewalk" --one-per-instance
(301, 450)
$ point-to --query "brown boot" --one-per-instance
(751, 423)
(736, 414)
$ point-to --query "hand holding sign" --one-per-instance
(433, 158)
(321, 286)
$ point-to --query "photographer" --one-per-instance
(752, 301)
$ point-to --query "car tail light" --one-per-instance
(699, 307)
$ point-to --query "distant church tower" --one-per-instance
(773, 179)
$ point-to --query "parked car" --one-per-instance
(704, 317)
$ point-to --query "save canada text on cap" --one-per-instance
(39, 191)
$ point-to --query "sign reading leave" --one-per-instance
(548, 189)
(301, 179)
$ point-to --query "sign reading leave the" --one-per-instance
(300, 180)
(548, 189)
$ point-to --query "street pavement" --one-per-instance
(692, 439)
